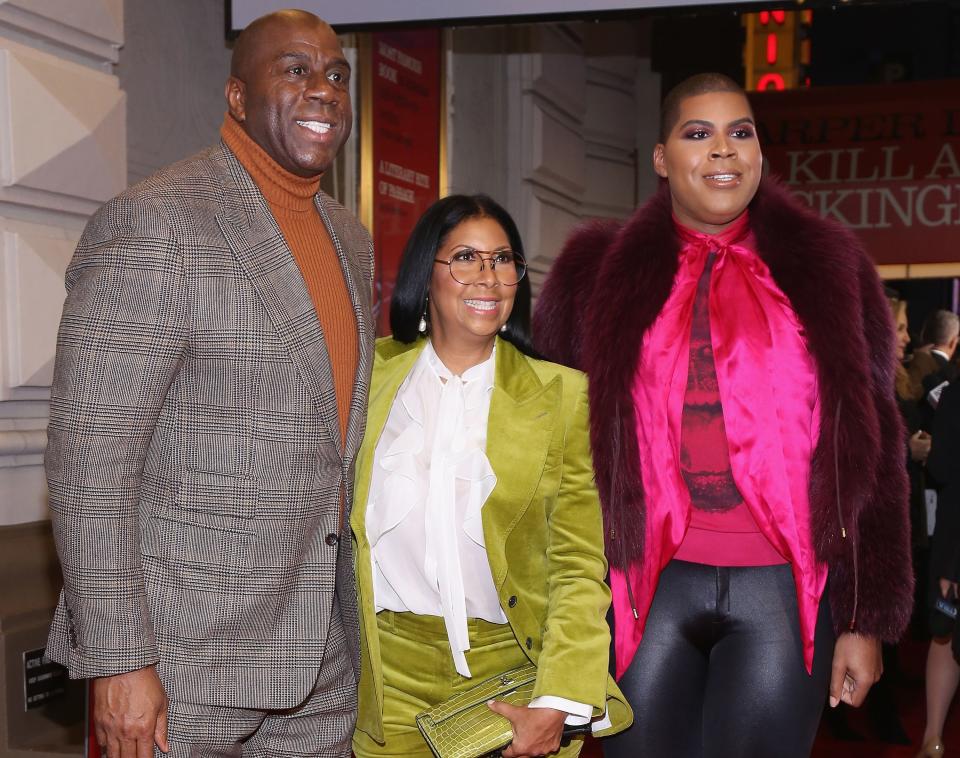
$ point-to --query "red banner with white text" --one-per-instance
(882, 159)
(405, 102)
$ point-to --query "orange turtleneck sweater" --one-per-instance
(291, 200)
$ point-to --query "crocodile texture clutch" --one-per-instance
(463, 726)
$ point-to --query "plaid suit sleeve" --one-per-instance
(120, 343)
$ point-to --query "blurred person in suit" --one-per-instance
(208, 403)
(932, 365)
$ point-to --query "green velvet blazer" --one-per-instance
(541, 524)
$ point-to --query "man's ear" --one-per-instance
(235, 92)
(659, 162)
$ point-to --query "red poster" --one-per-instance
(882, 159)
(405, 103)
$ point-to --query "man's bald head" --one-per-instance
(250, 43)
(289, 89)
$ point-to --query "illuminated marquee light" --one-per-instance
(770, 81)
(777, 49)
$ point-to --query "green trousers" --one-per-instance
(418, 672)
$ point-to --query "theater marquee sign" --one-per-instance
(884, 160)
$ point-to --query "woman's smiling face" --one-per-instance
(711, 160)
(469, 314)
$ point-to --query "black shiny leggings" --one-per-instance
(719, 673)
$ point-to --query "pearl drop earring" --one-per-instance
(422, 326)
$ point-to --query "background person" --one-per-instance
(478, 534)
(932, 365)
(943, 671)
(207, 404)
(741, 370)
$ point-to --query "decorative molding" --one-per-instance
(64, 123)
(557, 155)
(550, 219)
(558, 82)
(23, 495)
(615, 72)
(22, 442)
(611, 119)
(611, 189)
(622, 153)
(91, 27)
(63, 145)
(33, 259)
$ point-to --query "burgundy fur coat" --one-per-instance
(610, 283)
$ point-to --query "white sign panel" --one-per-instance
(364, 12)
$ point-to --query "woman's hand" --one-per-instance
(536, 731)
(857, 665)
(919, 446)
(947, 588)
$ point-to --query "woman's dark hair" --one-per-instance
(409, 297)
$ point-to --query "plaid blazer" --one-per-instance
(194, 462)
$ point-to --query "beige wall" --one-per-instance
(173, 66)
(62, 138)
(93, 94)
(62, 153)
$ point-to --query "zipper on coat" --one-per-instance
(633, 604)
(843, 530)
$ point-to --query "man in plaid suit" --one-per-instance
(208, 402)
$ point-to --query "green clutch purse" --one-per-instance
(463, 726)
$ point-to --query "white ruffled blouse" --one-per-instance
(431, 478)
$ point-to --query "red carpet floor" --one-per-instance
(909, 698)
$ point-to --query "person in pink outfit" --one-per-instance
(746, 443)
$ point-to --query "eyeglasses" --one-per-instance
(466, 266)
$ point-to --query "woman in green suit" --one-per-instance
(477, 528)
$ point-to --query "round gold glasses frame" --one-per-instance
(466, 267)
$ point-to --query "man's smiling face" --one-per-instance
(291, 94)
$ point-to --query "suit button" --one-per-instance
(512, 601)
(529, 644)
(332, 539)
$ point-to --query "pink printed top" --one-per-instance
(767, 382)
(722, 531)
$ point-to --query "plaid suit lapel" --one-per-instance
(255, 239)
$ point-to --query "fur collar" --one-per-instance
(817, 264)
(610, 283)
